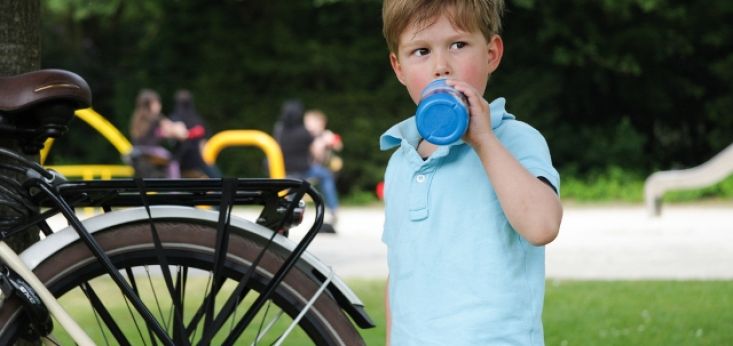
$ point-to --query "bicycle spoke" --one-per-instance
(48, 339)
(102, 312)
(234, 318)
(307, 307)
(178, 339)
(238, 295)
(133, 284)
(155, 297)
(192, 327)
(259, 329)
(198, 316)
(222, 245)
(180, 294)
(261, 332)
(99, 324)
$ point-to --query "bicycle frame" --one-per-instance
(13, 261)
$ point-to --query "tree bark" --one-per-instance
(20, 38)
(20, 51)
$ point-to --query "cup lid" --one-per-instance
(441, 120)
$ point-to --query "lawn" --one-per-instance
(615, 312)
(594, 312)
(639, 313)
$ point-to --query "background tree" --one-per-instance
(20, 49)
(630, 85)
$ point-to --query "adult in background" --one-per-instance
(152, 133)
(189, 152)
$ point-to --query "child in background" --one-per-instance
(325, 142)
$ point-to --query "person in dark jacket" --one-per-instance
(189, 151)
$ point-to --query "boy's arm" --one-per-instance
(531, 206)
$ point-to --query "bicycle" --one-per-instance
(155, 267)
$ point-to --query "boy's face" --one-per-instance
(443, 51)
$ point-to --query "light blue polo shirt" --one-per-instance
(459, 273)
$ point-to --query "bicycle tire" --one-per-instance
(187, 244)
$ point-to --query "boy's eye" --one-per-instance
(421, 52)
(458, 45)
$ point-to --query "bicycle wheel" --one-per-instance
(74, 276)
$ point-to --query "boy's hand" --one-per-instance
(479, 122)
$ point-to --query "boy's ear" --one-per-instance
(396, 67)
(496, 52)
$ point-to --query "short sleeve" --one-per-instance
(530, 148)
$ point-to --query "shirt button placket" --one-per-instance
(419, 195)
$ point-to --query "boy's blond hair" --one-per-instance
(467, 15)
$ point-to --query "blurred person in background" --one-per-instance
(152, 134)
(189, 151)
(326, 143)
(296, 144)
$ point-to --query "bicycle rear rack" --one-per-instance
(280, 199)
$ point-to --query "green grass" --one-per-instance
(371, 293)
(639, 313)
(196, 287)
(600, 312)
(614, 312)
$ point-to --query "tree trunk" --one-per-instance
(20, 51)
(20, 36)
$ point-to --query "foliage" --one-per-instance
(613, 185)
(618, 185)
(721, 190)
(360, 198)
(585, 66)
(640, 85)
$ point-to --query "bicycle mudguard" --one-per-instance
(345, 297)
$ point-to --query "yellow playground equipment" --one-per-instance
(217, 143)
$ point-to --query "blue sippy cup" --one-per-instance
(442, 114)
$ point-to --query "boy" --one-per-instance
(465, 223)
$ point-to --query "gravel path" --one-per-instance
(598, 243)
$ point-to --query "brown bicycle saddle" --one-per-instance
(28, 89)
(37, 105)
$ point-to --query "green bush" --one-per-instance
(618, 185)
(612, 185)
(721, 190)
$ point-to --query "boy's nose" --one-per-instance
(442, 68)
(442, 72)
